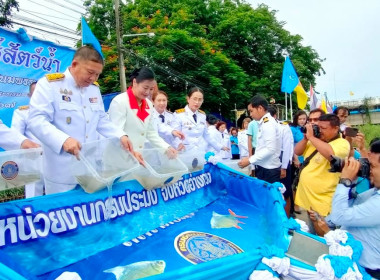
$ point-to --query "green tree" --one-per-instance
(226, 47)
(6, 7)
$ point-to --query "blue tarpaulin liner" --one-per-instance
(45, 236)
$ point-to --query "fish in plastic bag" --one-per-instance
(226, 221)
(138, 270)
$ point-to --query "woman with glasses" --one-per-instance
(163, 120)
(192, 122)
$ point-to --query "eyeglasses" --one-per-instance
(199, 100)
(313, 119)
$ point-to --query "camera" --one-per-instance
(337, 165)
(316, 131)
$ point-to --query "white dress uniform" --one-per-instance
(60, 109)
(243, 143)
(163, 125)
(268, 148)
(216, 137)
(10, 139)
(19, 122)
(125, 118)
(196, 133)
(287, 145)
(226, 143)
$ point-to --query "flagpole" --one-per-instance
(286, 105)
(291, 107)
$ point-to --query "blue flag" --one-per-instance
(289, 77)
(88, 38)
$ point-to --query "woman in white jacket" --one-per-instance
(132, 111)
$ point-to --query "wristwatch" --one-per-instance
(346, 182)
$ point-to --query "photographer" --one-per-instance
(361, 216)
(316, 185)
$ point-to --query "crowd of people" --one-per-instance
(66, 110)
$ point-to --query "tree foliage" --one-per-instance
(6, 7)
(226, 47)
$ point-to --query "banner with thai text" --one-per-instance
(23, 60)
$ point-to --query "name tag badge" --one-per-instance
(93, 100)
(66, 98)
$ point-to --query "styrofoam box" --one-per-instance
(160, 170)
(193, 158)
(20, 167)
(101, 162)
(231, 163)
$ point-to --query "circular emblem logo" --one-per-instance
(198, 247)
(194, 163)
(9, 170)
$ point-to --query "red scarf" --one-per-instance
(141, 112)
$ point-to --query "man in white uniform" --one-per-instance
(19, 123)
(267, 155)
(11, 139)
(66, 110)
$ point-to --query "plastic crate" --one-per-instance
(193, 158)
(160, 170)
(20, 167)
(233, 164)
(101, 163)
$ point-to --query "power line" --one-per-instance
(37, 13)
(60, 12)
(75, 4)
(63, 6)
(41, 24)
(33, 27)
(172, 72)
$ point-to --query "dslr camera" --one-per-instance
(316, 131)
(337, 165)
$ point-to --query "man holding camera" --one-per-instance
(316, 184)
(360, 215)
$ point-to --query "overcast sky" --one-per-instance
(345, 32)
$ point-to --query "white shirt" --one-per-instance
(268, 149)
(216, 137)
(10, 139)
(243, 143)
(19, 122)
(196, 133)
(138, 131)
(60, 109)
(226, 143)
(165, 128)
(287, 146)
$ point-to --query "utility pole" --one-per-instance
(123, 83)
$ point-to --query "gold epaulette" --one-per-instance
(55, 77)
(285, 123)
(266, 119)
(202, 112)
(96, 84)
(182, 110)
(25, 107)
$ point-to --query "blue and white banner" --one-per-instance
(206, 215)
(23, 60)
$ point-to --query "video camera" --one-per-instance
(337, 165)
(316, 130)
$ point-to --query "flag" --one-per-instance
(323, 106)
(301, 96)
(352, 93)
(88, 38)
(289, 77)
(313, 99)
